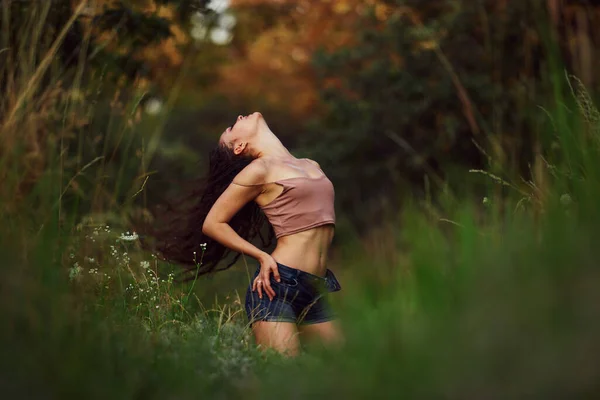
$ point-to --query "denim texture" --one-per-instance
(300, 298)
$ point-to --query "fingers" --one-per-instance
(276, 273)
(259, 288)
(257, 285)
(263, 282)
(261, 285)
(268, 289)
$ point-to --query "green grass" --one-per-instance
(467, 299)
(489, 305)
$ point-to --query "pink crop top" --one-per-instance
(304, 203)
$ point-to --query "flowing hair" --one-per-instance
(177, 228)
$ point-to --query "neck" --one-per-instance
(268, 145)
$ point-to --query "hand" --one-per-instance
(262, 281)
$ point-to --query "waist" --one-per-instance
(288, 229)
(307, 250)
(328, 281)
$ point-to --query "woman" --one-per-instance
(251, 170)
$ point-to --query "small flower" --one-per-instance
(129, 237)
(145, 264)
(566, 199)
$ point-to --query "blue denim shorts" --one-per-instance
(299, 298)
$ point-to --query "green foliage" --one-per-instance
(410, 95)
(132, 29)
(72, 109)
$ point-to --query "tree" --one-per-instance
(418, 86)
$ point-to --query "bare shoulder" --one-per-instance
(313, 162)
(254, 173)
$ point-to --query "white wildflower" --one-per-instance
(566, 199)
(129, 237)
(154, 106)
(145, 264)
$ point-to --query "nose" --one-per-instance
(240, 117)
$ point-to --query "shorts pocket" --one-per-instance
(285, 282)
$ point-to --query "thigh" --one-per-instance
(327, 332)
(280, 336)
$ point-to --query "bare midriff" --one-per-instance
(306, 250)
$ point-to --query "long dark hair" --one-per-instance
(177, 229)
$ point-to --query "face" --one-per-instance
(237, 135)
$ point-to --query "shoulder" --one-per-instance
(254, 173)
(313, 162)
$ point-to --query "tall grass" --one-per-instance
(497, 299)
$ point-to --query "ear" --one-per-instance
(239, 148)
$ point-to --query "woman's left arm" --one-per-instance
(216, 225)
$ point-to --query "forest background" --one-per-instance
(476, 115)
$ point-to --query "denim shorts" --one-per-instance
(299, 298)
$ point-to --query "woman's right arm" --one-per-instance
(216, 225)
